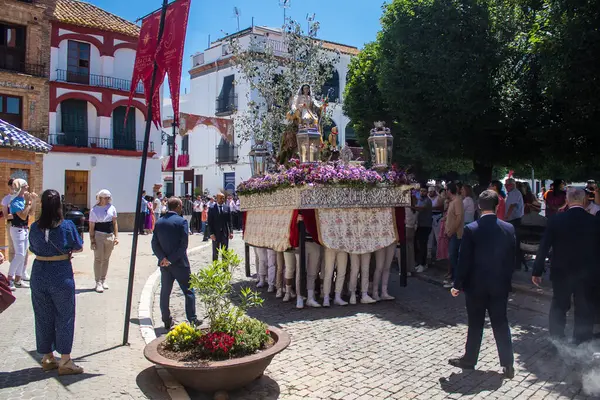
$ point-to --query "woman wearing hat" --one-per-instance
(104, 234)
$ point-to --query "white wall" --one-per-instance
(118, 174)
(123, 63)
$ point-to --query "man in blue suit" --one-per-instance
(169, 243)
(574, 236)
(486, 262)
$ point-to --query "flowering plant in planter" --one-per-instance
(326, 173)
(230, 332)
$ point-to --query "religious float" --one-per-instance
(320, 192)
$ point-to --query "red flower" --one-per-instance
(268, 333)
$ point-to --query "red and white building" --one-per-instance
(91, 63)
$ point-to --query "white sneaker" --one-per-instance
(12, 286)
(104, 285)
(271, 289)
(287, 297)
(340, 302)
(448, 285)
(279, 293)
(387, 297)
(353, 299)
(22, 284)
(99, 288)
(313, 303)
(376, 297)
(366, 299)
(260, 284)
(421, 268)
(26, 276)
(299, 303)
(326, 302)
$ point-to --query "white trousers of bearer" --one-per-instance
(334, 260)
(261, 261)
(383, 263)
(20, 239)
(359, 262)
(271, 266)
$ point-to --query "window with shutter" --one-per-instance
(124, 132)
(74, 123)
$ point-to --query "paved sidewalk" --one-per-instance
(399, 350)
(112, 371)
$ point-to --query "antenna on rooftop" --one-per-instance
(309, 19)
(236, 13)
(285, 4)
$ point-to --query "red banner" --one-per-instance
(144, 64)
(169, 55)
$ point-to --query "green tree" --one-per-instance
(450, 72)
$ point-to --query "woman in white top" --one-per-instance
(104, 234)
(468, 203)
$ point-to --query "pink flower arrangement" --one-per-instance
(330, 173)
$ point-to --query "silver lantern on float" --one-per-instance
(259, 159)
(381, 144)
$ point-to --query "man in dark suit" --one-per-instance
(574, 236)
(484, 272)
(169, 243)
(219, 224)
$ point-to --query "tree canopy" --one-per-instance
(484, 83)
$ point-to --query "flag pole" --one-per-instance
(138, 207)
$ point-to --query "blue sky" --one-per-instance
(351, 22)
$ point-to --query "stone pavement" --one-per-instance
(112, 371)
(399, 350)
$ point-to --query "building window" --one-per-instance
(185, 144)
(331, 88)
(74, 123)
(227, 100)
(11, 110)
(78, 62)
(350, 136)
(12, 47)
(124, 132)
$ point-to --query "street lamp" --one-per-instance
(259, 157)
(309, 144)
(381, 144)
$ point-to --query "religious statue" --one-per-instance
(305, 109)
(333, 137)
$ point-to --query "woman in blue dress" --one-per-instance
(52, 239)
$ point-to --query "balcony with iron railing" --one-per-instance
(226, 154)
(81, 139)
(226, 105)
(7, 64)
(96, 80)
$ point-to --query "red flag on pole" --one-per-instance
(144, 63)
(169, 54)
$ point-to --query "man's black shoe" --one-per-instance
(509, 372)
(460, 363)
(169, 324)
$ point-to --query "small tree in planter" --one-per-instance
(230, 332)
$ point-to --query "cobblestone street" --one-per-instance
(399, 350)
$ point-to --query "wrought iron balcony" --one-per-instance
(22, 67)
(227, 154)
(226, 105)
(81, 139)
(96, 80)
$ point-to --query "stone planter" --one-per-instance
(212, 376)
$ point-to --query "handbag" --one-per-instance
(6, 296)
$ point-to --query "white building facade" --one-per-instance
(94, 146)
(214, 164)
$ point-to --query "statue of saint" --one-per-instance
(306, 109)
(333, 137)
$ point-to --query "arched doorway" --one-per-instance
(123, 131)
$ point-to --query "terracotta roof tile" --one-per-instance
(84, 14)
(341, 48)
